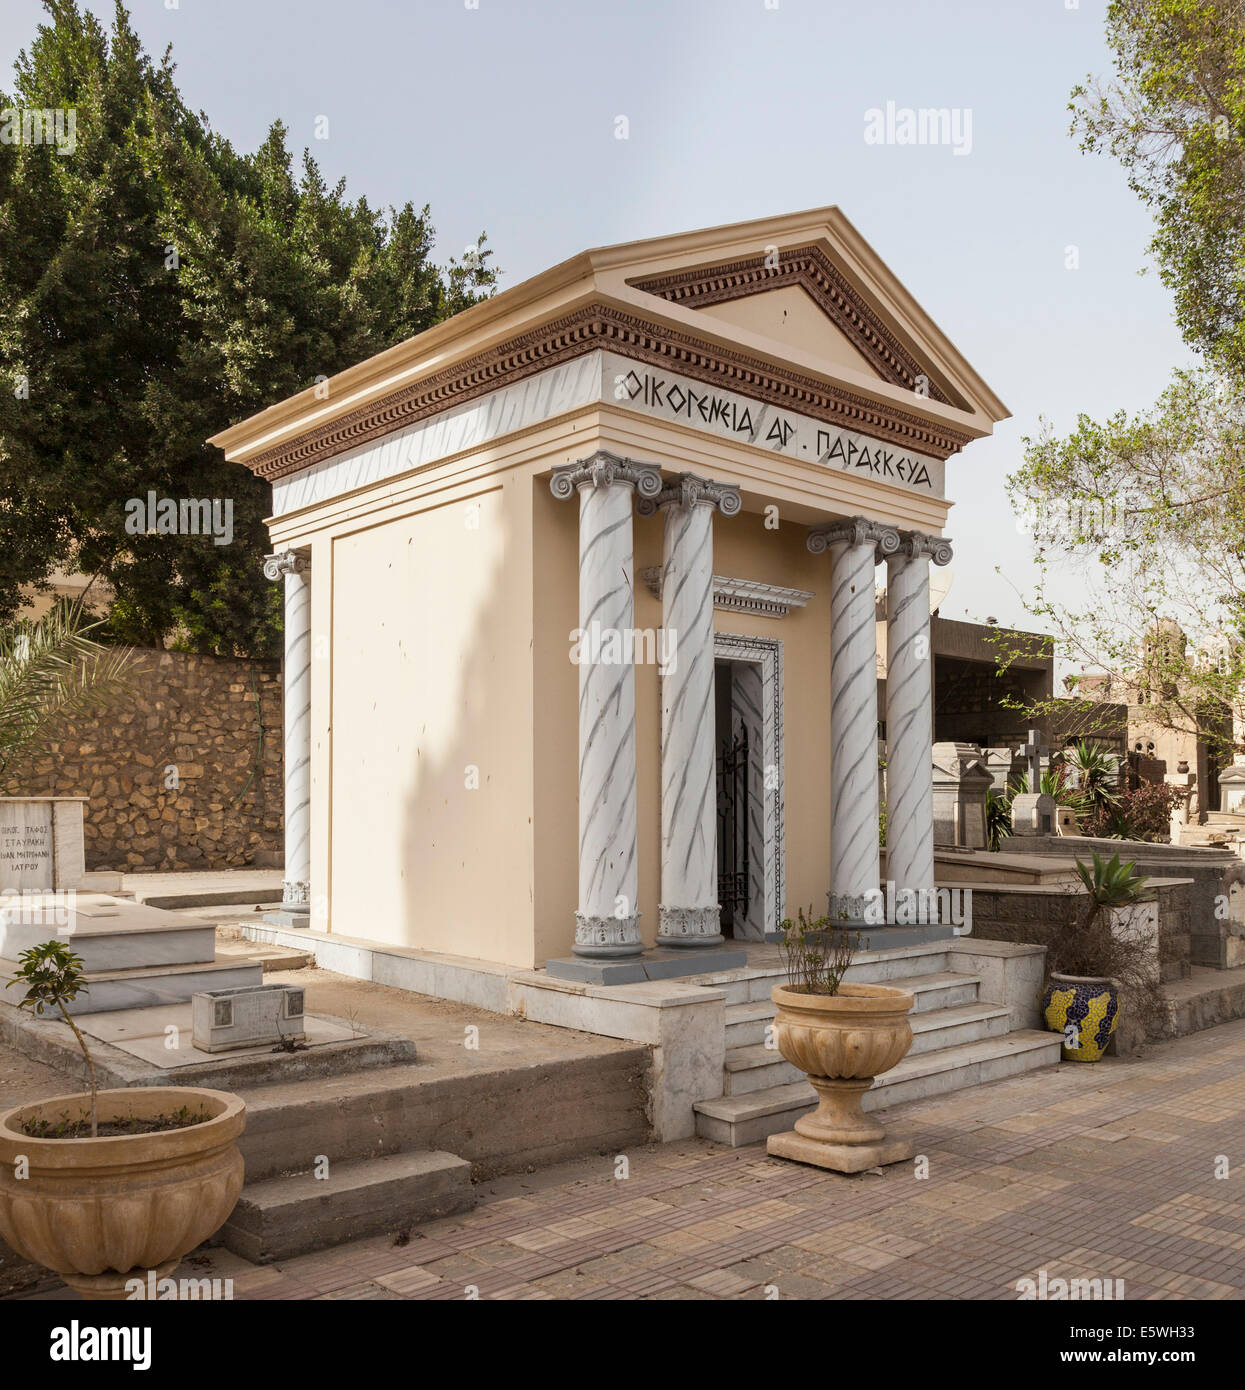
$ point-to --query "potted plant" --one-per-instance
(841, 1036)
(1090, 964)
(104, 1186)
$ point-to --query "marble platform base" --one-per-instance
(668, 964)
(289, 917)
(840, 1158)
(886, 937)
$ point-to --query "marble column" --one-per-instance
(294, 566)
(689, 912)
(909, 711)
(855, 547)
(607, 923)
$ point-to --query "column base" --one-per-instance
(684, 928)
(295, 909)
(299, 916)
(650, 965)
(607, 938)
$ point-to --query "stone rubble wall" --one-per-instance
(174, 772)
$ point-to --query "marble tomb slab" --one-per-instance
(41, 842)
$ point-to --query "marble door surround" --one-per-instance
(856, 546)
(293, 567)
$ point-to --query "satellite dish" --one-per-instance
(939, 587)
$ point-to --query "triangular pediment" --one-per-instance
(792, 317)
(800, 297)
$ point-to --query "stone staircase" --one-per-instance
(959, 1039)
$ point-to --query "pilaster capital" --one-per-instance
(604, 469)
(916, 545)
(855, 531)
(283, 562)
(691, 490)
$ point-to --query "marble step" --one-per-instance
(286, 1216)
(753, 1116)
(755, 1067)
(139, 989)
(747, 1023)
(752, 984)
(962, 1023)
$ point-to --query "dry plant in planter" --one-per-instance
(841, 1036)
(103, 1186)
(1092, 966)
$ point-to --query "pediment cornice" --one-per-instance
(603, 325)
(813, 271)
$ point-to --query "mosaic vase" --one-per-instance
(1085, 1009)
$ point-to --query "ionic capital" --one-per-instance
(691, 490)
(916, 545)
(604, 469)
(855, 531)
(283, 562)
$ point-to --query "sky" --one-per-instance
(503, 115)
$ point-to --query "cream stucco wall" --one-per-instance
(430, 680)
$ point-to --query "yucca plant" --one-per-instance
(1091, 947)
(998, 818)
(1097, 775)
(51, 670)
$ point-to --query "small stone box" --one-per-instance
(225, 1019)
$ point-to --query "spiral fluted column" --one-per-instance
(607, 920)
(689, 910)
(909, 712)
(294, 566)
(854, 546)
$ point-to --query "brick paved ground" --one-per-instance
(1094, 1171)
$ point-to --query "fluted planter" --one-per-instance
(100, 1211)
(842, 1042)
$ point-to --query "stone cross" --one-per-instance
(1034, 751)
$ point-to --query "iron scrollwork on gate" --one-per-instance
(734, 851)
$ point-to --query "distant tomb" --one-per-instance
(1034, 811)
(960, 786)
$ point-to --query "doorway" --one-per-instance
(748, 748)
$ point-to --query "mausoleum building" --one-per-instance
(581, 662)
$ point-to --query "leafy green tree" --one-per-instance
(158, 286)
(1146, 514)
(1174, 116)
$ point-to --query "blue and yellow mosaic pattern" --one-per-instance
(1085, 1013)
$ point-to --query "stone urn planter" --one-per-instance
(1086, 1010)
(101, 1211)
(841, 1042)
